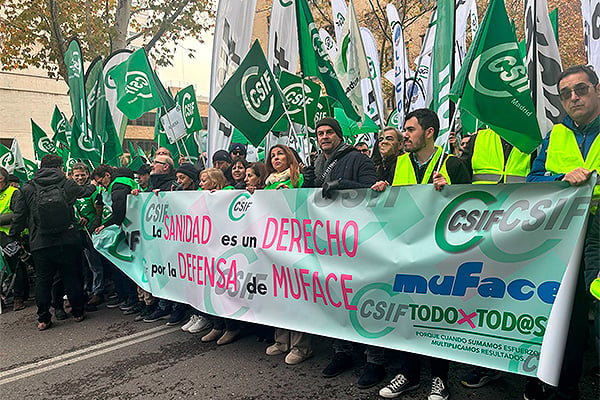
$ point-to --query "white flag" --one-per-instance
(589, 9)
(419, 94)
(339, 11)
(543, 64)
(400, 62)
(351, 63)
(110, 90)
(19, 165)
(282, 52)
(329, 44)
(372, 92)
(474, 19)
(462, 13)
(233, 31)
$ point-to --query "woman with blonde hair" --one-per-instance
(212, 179)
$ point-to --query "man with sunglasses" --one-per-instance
(571, 152)
(238, 152)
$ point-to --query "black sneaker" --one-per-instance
(60, 314)
(135, 309)
(371, 376)
(129, 304)
(147, 310)
(340, 363)
(400, 384)
(479, 377)
(176, 317)
(439, 389)
(537, 390)
(158, 314)
(114, 303)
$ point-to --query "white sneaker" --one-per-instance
(200, 324)
(439, 390)
(191, 322)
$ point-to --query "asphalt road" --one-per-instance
(109, 356)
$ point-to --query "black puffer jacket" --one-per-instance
(23, 217)
(352, 169)
(164, 182)
(118, 196)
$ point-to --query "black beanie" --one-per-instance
(189, 170)
(221, 155)
(332, 122)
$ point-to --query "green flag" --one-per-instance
(20, 168)
(31, 167)
(96, 101)
(443, 61)
(42, 145)
(295, 97)
(137, 91)
(74, 62)
(350, 127)
(393, 119)
(314, 60)
(251, 99)
(187, 145)
(492, 82)
(82, 146)
(7, 159)
(141, 153)
(186, 98)
(61, 128)
(112, 150)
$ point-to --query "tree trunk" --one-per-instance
(122, 15)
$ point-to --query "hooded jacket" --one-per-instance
(23, 217)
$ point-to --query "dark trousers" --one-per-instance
(65, 259)
(21, 288)
(411, 366)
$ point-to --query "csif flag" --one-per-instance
(492, 83)
(137, 92)
(251, 99)
(186, 98)
(42, 145)
(296, 96)
(314, 60)
(61, 128)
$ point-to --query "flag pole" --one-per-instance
(306, 144)
(452, 126)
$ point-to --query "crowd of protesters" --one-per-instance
(66, 262)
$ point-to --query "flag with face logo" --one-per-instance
(493, 84)
(251, 99)
(42, 145)
(136, 89)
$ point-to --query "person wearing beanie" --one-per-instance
(341, 166)
(187, 177)
(238, 151)
(222, 160)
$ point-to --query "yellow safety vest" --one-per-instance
(564, 156)
(5, 198)
(488, 161)
(405, 173)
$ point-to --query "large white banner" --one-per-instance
(339, 11)
(469, 274)
(543, 64)
(231, 42)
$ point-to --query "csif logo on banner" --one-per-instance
(240, 206)
(138, 84)
(294, 96)
(45, 144)
(257, 93)
(471, 218)
(85, 143)
(7, 160)
(499, 62)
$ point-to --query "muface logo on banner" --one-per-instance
(492, 62)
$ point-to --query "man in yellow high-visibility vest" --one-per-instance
(571, 152)
(419, 166)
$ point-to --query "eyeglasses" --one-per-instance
(238, 152)
(580, 90)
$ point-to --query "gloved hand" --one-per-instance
(309, 175)
(11, 249)
(595, 288)
(330, 187)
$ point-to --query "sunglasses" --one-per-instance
(238, 152)
(580, 90)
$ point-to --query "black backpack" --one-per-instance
(51, 212)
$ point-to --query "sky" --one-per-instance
(185, 70)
